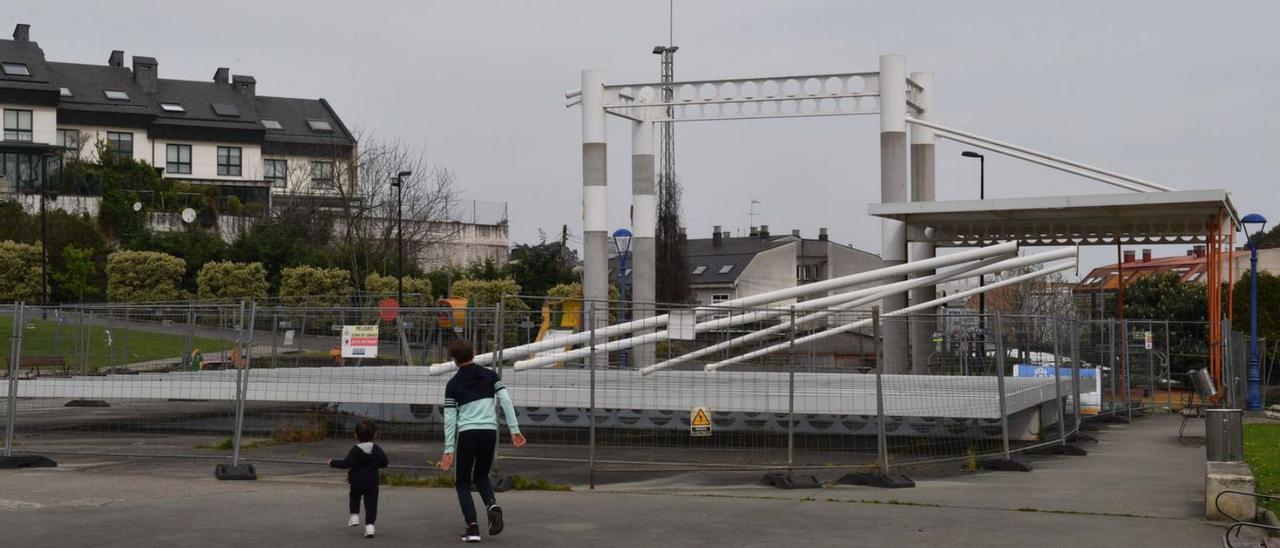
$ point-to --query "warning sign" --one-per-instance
(699, 422)
(1147, 340)
(359, 341)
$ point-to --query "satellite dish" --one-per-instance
(137, 206)
(188, 215)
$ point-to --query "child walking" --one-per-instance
(471, 429)
(362, 464)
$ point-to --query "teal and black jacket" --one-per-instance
(469, 403)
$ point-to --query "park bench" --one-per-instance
(35, 362)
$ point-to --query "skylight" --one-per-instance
(726, 268)
(699, 270)
(271, 124)
(115, 95)
(65, 92)
(319, 125)
(223, 109)
(172, 107)
(16, 69)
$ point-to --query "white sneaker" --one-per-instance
(368, 531)
(354, 521)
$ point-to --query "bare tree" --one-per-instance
(1031, 305)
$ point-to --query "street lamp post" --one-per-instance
(399, 184)
(622, 243)
(1254, 403)
(982, 280)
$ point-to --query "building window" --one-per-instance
(719, 297)
(271, 124)
(229, 161)
(276, 172)
(172, 107)
(115, 95)
(178, 159)
(16, 69)
(321, 173)
(69, 139)
(17, 125)
(699, 270)
(65, 92)
(121, 142)
(320, 126)
(224, 109)
(725, 269)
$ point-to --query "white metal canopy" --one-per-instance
(1174, 217)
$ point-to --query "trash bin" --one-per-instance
(1223, 435)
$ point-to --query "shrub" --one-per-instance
(140, 276)
(19, 271)
(485, 293)
(316, 286)
(228, 280)
(419, 287)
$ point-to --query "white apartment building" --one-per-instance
(216, 132)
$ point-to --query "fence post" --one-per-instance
(591, 411)
(244, 343)
(1111, 362)
(275, 335)
(1057, 382)
(1000, 373)
(1075, 374)
(1168, 366)
(882, 442)
(791, 390)
(1127, 365)
(1151, 367)
(124, 337)
(85, 343)
(15, 354)
(498, 483)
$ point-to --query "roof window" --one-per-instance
(115, 95)
(172, 107)
(223, 109)
(16, 69)
(725, 269)
(65, 92)
(319, 125)
(271, 124)
(699, 269)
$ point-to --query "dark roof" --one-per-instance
(38, 87)
(293, 115)
(88, 85)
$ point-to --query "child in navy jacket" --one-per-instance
(362, 464)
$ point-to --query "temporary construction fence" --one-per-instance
(277, 383)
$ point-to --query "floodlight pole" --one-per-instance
(982, 280)
(595, 231)
(893, 188)
(922, 190)
(644, 218)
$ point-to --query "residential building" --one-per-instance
(217, 132)
(723, 267)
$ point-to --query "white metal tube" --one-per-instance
(1050, 157)
(968, 271)
(1041, 161)
(922, 306)
(893, 93)
(834, 284)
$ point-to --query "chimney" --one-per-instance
(725, 235)
(1200, 251)
(116, 59)
(1128, 256)
(717, 239)
(822, 234)
(245, 84)
(764, 232)
(22, 32)
(753, 232)
(795, 232)
(1146, 255)
(222, 76)
(146, 73)
(1191, 253)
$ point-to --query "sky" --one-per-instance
(1177, 92)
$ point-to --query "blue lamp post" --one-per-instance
(1254, 402)
(622, 243)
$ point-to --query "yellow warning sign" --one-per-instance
(699, 421)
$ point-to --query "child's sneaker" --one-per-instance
(354, 521)
(472, 534)
(495, 520)
(368, 531)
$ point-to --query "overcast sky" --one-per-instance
(1182, 93)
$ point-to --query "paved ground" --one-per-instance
(1138, 487)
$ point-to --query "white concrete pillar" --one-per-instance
(644, 220)
(595, 228)
(922, 190)
(893, 188)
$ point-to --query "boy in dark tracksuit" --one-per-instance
(362, 464)
(471, 429)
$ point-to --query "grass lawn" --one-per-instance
(47, 338)
(1262, 451)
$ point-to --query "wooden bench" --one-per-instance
(35, 362)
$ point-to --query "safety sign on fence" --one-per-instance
(1146, 340)
(359, 341)
(680, 325)
(699, 422)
